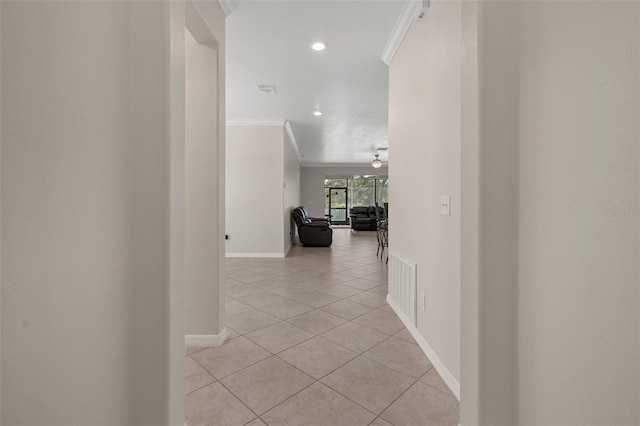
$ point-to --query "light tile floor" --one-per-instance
(313, 342)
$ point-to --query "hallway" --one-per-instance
(313, 342)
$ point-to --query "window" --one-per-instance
(383, 190)
(361, 191)
(332, 183)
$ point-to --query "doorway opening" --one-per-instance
(338, 205)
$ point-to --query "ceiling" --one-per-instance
(270, 42)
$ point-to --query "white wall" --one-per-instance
(86, 199)
(550, 146)
(291, 190)
(470, 348)
(312, 183)
(211, 14)
(0, 222)
(424, 142)
(490, 193)
(202, 258)
(254, 189)
(556, 320)
(578, 81)
(67, 202)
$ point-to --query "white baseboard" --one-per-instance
(206, 340)
(286, 251)
(444, 372)
(255, 254)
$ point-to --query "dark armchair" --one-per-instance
(364, 218)
(306, 216)
(312, 233)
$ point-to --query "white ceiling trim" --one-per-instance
(227, 6)
(292, 139)
(344, 165)
(408, 14)
(256, 122)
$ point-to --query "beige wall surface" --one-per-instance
(424, 142)
(578, 88)
(67, 202)
(213, 17)
(254, 189)
(291, 190)
(558, 179)
(495, 187)
(86, 285)
(201, 189)
(470, 370)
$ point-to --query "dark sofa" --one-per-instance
(364, 218)
(312, 231)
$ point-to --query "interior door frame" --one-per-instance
(346, 204)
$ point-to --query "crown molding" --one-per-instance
(408, 14)
(256, 122)
(292, 139)
(344, 165)
(227, 7)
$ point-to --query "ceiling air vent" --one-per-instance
(382, 148)
(267, 89)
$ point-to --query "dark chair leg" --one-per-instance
(384, 243)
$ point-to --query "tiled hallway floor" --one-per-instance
(313, 342)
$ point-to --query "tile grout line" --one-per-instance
(202, 387)
(227, 389)
(332, 371)
(241, 401)
(359, 355)
(306, 340)
(323, 384)
(315, 380)
(301, 342)
(399, 396)
(219, 379)
(276, 353)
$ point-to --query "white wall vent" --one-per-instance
(403, 283)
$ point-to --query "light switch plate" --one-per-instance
(445, 205)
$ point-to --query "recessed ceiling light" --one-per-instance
(318, 46)
(317, 113)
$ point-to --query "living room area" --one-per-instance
(357, 202)
(347, 196)
(266, 181)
